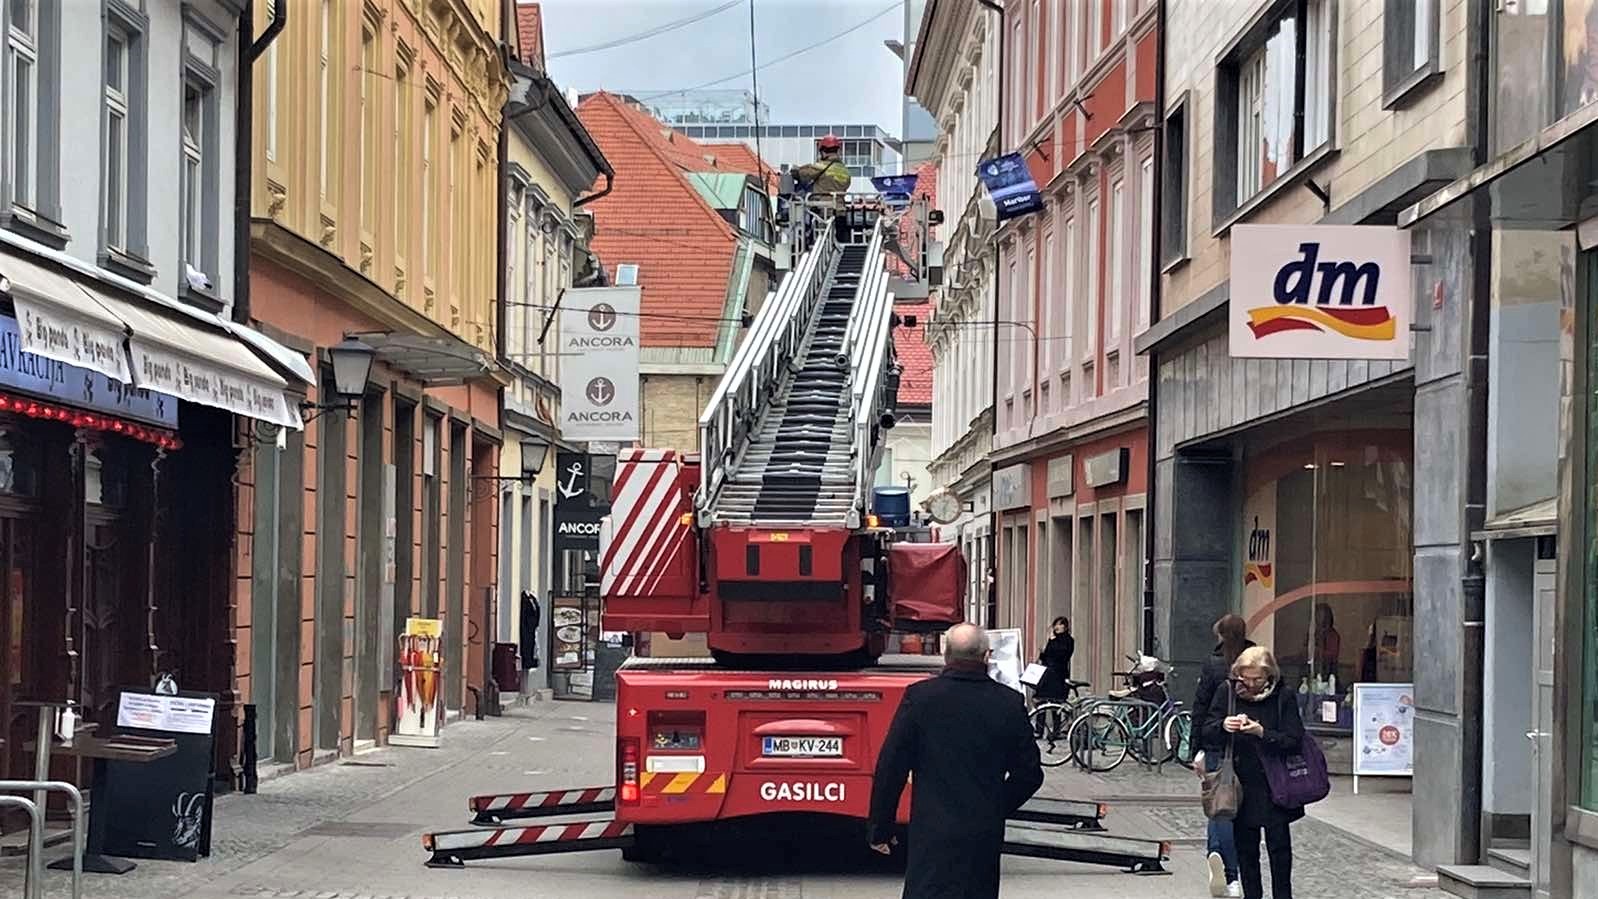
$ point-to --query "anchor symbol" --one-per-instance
(570, 488)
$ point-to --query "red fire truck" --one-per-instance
(768, 544)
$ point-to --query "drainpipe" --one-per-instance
(250, 49)
(993, 403)
(1156, 253)
(610, 182)
(1474, 371)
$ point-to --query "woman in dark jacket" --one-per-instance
(1056, 660)
(1264, 722)
(1220, 848)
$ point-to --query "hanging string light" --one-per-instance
(89, 421)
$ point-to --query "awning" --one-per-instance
(434, 361)
(61, 320)
(1541, 184)
(1540, 519)
(202, 366)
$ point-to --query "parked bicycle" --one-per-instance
(1051, 719)
(1142, 721)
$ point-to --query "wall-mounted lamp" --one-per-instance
(352, 369)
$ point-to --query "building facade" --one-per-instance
(1346, 483)
(953, 73)
(126, 381)
(868, 150)
(918, 133)
(1070, 449)
(370, 197)
(1529, 204)
(552, 164)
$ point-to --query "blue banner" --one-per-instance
(1010, 185)
(895, 188)
(49, 379)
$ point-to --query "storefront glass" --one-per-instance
(1327, 564)
(1589, 684)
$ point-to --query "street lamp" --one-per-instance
(534, 451)
(352, 369)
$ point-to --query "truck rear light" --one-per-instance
(627, 769)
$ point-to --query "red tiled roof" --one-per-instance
(910, 346)
(655, 219)
(926, 186)
(741, 158)
(530, 34)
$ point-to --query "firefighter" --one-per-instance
(827, 175)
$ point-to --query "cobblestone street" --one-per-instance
(352, 830)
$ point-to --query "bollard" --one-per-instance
(248, 775)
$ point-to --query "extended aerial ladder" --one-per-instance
(766, 542)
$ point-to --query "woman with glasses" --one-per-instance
(1257, 715)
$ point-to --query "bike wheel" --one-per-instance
(1049, 725)
(1178, 735)
(1098, 741)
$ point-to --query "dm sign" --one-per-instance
(1320, 292)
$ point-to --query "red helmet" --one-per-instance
(831, 143)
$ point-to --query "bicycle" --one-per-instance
(1110, 728)
(1051, 719)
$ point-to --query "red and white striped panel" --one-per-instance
(521, 836)
(646, 529)
(552, 799)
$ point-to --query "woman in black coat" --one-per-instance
(1056, 660)
(1264, 722)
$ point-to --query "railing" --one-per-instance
(756, 368)
(867, 342)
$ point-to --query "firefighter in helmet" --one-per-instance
(827, 175)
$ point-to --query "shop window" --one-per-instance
(1326, 570)
(1589, 685)
(19, 465)
(1579, 55)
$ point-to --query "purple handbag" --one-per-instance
(1299, 778)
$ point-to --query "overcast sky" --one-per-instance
(854, 79)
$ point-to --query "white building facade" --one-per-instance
(953, 74)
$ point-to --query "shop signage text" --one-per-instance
(599, 364)
(90, 346)
(190, 378)
(1010, 487)
(51, 379)
(578, 511)
(1106, 469)
(1320, 292)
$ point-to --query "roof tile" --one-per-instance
(530, 34)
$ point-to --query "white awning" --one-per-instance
(60, 320)
(202, 366)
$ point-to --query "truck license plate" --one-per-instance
(803, 747)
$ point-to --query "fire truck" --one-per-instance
(767, 542)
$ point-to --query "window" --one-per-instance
(1145, 239)
(1033, 86)
(191, 184)
(1117, 17)
(22, 59)
(405, 166)
(1587, 725)
(271, 88)
(31, 113)
(199, 165)
(1272, 125)
(1173, 187)
(1092, 297)
(324, 95)
(368, 160)
(1047, 313)
(1095, 35)
(429, 235)
(1116, 298)
(1017, 91)
(1068, 275)
(1409, 48)
(1011, 379)
(1073, 43)
(117, 157)
(1056, 53)
(518, 310)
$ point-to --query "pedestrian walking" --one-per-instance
(1231, 634)
(966, 739)
(1056, 661)
(1259, 716)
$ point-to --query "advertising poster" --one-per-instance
(1004, 664)
(419, 705)
(1384, 730)
(570, 625)
(895, 189)
(1010, 184)
(582, 485)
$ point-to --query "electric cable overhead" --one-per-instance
(754, 78)
(781, 59)
(646, 34)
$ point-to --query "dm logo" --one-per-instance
(1259, 569)
(1325, 296)
(602, 317)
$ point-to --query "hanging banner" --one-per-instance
(1320, 292)
(1010, 185)
(579, 506)
(52, 379)
(599, 364)
(419, 706)
(895, 189)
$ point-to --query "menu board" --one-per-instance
(174, 714)
(160, 808)
(1384, 730)
(1004, 662)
